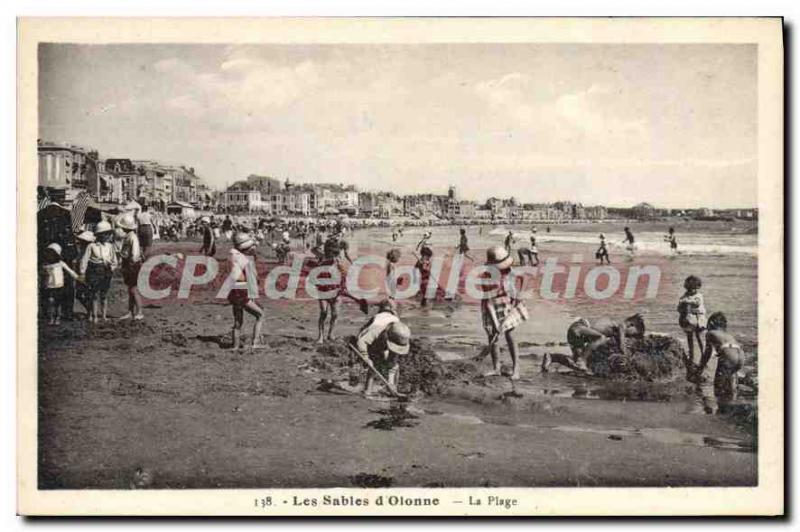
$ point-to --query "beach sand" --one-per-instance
(166, 396)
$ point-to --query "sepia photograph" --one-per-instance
(471, 267)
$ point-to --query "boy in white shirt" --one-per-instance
(53, 280)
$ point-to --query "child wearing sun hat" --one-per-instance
(244, 247)
(53, 271)
(131, 260)
(97, 265)
(500, 312)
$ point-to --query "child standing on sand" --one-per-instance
(97, 265)
(424, 240)
(463, 244)
(53, 282)
(131, 262)
(729, 360)
(673, 242)
(509, 241)
(392, 258)
(630, 241)
(82, 292)
(423, 269)
(501, 313)
(239, 297)
(692, 313)
(602, 252)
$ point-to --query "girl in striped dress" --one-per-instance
(501, 313)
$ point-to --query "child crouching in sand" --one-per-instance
(239, 297)
(584, 338)
(501, 313)
(729, 360)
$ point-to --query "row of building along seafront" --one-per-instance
(66, 170)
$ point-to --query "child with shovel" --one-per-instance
(380, 342)
(500, 312)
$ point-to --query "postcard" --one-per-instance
(400, 267)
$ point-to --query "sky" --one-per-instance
(671, 124)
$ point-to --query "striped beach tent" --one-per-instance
(79, 209)
(44, 200)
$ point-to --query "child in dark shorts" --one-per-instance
(244, 246)
(131, 261)
(98, 262)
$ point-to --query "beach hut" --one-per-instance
(181, 208)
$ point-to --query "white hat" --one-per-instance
(55, 247)
(398, 338)
(242, 241)
(86, 236)
(127, 221)
(102, 227)
(205, 220)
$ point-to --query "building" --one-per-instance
(452, 193)
(329, 198)
(106, 188)
(267, 185)
(240, 199)
(425, 205)
(65, 170)
(379, 204)
(643, 211)
(597, 212)
(461, 209)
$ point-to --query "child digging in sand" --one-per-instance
(584, 338)
(384, 338)
(729, 360)
(239, 297)
(692, 313)
(501, 313)
(53, 273)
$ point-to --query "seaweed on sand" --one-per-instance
(395, 416)
(652, 358)
(421, 370)
(368, 480)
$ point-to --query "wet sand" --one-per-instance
(168, 397)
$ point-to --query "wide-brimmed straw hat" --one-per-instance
(499, 256)
(55, 247)
(86, 236)
(398, 338)
(242, 241)
(102, 227)
(127, 221)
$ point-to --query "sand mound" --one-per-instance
(420, 371)
(653, 358)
